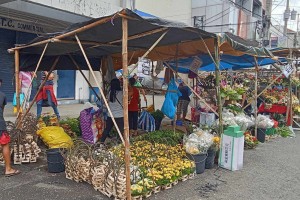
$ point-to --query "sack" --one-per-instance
(146, 122)
(55, 137)
(22, 97)
(91, 125)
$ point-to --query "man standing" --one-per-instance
(5, 139)
(47, 95)
(183, 102)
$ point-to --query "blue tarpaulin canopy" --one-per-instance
(226, 62)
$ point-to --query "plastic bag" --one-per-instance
(198, 142)
(171, 100)
(55, 137)
(146, 122)
(264, 122)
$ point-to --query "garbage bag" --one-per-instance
(55, 137)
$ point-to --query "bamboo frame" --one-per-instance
(71, 33)
(151, 48)
(100, 89)
(218, 89)
(268, 86)
(125, 105)
(255, 96)
(35, 71)
(17, 81)
(40, 88)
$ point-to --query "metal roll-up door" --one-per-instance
(7, 40)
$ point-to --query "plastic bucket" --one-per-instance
(55, 160)
(210, 160)
(199, 160)
(261, 135)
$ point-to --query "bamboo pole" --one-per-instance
(125, 105)
(40, 88)
(71, 33)
(100, 89)
(151, 48)
(268, 86)
(153, 85)
(35, 71)
(201, 99)
(85, 78)
(255, 96)
(218, 80)
(17, 80)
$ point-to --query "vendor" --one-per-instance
(115, 102)
(46, 95)
(133, 107)
(183, 102)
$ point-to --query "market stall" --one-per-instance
(123, 35)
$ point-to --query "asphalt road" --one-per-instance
(272, 171)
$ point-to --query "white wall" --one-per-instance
(91, 8)
(176, 10)
(81, 87)
(216, 12)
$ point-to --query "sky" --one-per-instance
(278, 8)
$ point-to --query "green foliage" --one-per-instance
(162, 136)
(74, 124)
(284, 131)
(158, 115)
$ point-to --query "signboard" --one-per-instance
(287, 70)
(144, 67)
(16, 25)
(196, 64)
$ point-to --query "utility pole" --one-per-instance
(286, 18)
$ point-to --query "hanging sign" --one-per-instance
(287, 70)
(144, 66)
(196, 64)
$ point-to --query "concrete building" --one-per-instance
(22, 21)
(242, 18)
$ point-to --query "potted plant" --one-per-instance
(211, 153)
(158, 116)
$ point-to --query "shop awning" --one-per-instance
(285, 52)
(103, 36)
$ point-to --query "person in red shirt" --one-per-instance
(133, 107)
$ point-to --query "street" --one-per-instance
(272, 171)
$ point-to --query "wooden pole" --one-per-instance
(218, 81)
(37, 67)
(265, 89)
(85, 78)
(100, 89)
(125, 105)
(153, 102)
(255, 96)
(151, 48)
(17, 80)
(40, 88)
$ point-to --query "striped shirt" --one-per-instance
(25, 78)
(48, 82)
